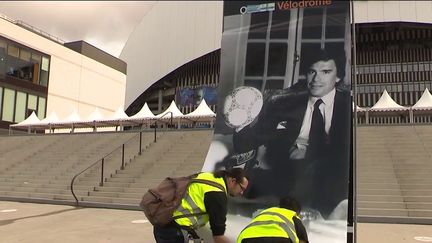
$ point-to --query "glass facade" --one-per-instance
(22, 63)
(16, 106)
(24, 79)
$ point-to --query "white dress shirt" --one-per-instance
(326, 109)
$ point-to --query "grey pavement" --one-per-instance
(34, 223)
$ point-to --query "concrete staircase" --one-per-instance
(40, 167)
(394, 168)
(394, 174)
(175, 154)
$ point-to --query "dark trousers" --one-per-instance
(168, 234)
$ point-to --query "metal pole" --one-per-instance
(171, 119)
(354, 139)
(102, 172)
(155, 132)
(123, 163)
(140, 144)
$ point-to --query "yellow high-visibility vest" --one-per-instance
(272, 222)
(193, 202)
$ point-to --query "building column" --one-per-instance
(160, 101)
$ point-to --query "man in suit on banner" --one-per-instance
(304, 132)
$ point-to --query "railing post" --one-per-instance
(140, 144)
(102, 172)
(123, 163)
(171, 121)
(155, 125)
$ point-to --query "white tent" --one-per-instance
(51, 118)
(386, 103)
(201, 111)
(359, 109)
(31, 120)
(73, 117)
(172, 108)
(119, 114)
(144, 113)
(94, 116)
(425, 101)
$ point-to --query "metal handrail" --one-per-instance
(155, 123)
(33, 29)
(102, 160)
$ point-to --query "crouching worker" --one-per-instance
(276, 225)
(203, 203)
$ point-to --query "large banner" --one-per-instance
(284, 110)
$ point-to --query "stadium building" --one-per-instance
(393, 53)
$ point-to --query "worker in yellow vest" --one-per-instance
(276, 225)
(204, 203)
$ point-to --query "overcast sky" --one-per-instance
(104, 24)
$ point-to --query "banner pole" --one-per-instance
(354, 139)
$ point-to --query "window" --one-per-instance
(335, 20)
(21, 63)
(255, 58)
(280, 24)
(274, 84)
(36, 60)
(41, 108)
(44, 72)
(258, 25)
(312, 23)
(277, 59)
(254, 83)
(25, 55)
(20, 107)
(32, 102)
(3, 46)
(8, 105)
(1, 98)
(13, 51)
(270, 50)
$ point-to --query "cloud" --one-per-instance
(104, 24)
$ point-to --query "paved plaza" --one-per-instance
(37, 223)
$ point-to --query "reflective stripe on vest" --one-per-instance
(262, 226)
(193, 202)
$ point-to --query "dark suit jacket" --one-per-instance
(321, 183)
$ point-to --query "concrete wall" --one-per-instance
(75, 81)
(390, 11)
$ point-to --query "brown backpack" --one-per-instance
(160, 203)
